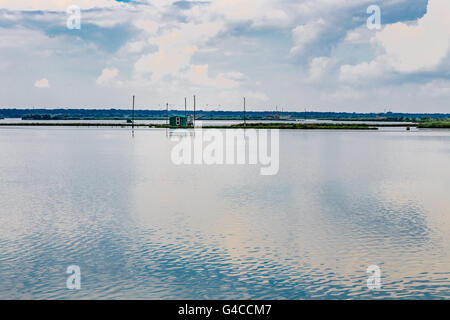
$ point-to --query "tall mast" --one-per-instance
(132, 123)
(245, 121)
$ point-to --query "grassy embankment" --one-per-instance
(297, 126)
(445, 124)
(74, 124)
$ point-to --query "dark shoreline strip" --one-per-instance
(292, 126)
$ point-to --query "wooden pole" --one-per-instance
(194, 110)
(132, 121)
(245, 121)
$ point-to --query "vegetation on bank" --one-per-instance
(294, 126)
(62, 117)
(67, 117)
(79, 124)
(304, 126)
(434, 124)
(373, 119)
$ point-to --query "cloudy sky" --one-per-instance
(294, 54)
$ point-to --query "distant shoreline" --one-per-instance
(294, 126)
(348, 125)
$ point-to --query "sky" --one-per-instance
(293, 55)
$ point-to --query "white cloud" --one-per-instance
(305, 34)
(259, 12)
(54, 5)
(234, 97)
(420, 46)
(365, 70)
(235, 75)
(167, 61)
(408, 48)
(318, 68)
(19, 38)
(109, 17)
(359, 35)
(149, 26)
(199, 75)
(107, 77)
(344, 93)
(256, 95)
(436, 88)
(135, 46)
(42, 84)
(176, 48)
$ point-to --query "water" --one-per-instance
(140, 227)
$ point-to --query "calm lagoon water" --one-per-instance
(141, 227)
